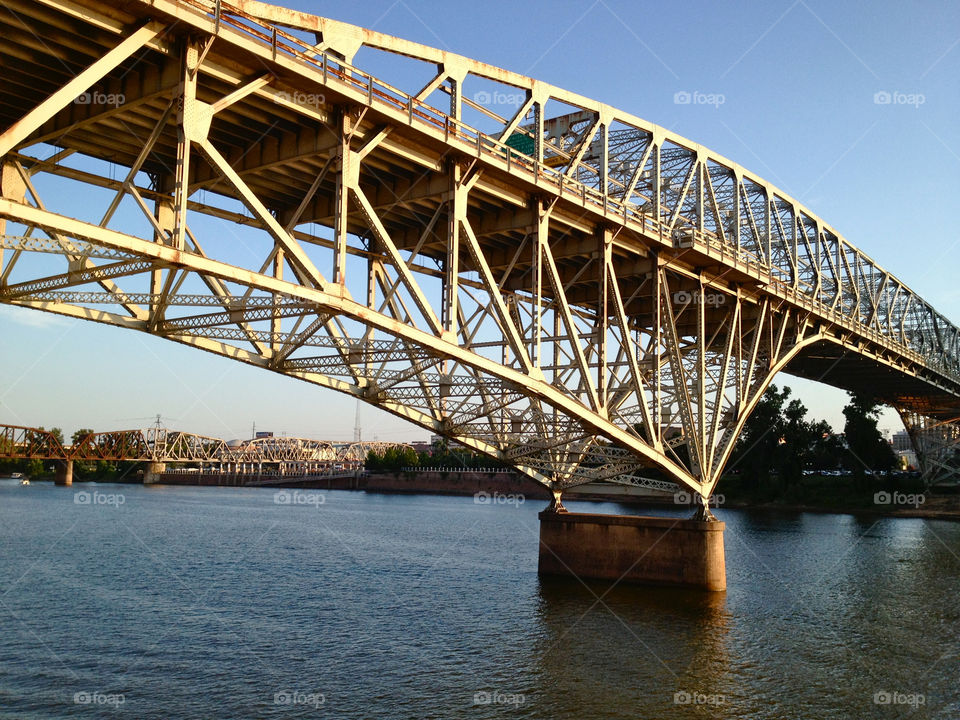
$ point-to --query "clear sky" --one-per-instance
(802, 85)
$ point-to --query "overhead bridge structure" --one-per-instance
(542, 277)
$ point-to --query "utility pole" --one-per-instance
(356, 425)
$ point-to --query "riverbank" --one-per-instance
(817, 495)
(889, 496)
(934, 507)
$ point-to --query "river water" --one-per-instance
(180, 602)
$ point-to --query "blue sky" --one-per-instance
(799, 83)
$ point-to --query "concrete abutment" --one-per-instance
(638, 550)
(63, 472)
(152, 472)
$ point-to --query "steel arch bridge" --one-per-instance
(568, 288)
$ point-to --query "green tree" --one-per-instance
(392, 459)
(828, 452)
(80, 435)
(756, 451)
(798, 437)
(778, 438)
(58, 434)
(869, 450)
(86, 469)
(409, 457)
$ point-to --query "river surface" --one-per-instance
(180, 602)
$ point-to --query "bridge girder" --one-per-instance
(615, 300)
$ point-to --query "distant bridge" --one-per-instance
(159, 445)
(570, 289)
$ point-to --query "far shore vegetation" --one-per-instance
(782, 457)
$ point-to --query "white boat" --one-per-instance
(24, 481)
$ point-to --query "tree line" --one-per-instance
(778, 440)
(440, 455)
(778, 443)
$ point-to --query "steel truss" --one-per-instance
(584, 296)
(937, 444)
(158, 444)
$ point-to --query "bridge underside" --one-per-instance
(843, 367)
(606, 301)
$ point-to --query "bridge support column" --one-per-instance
(63, 473)
(639, 550)
(151, 474)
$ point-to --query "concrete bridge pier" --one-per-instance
(63, 472)
(632, 549)
(152, 472)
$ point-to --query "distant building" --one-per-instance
(907, 460)
(903, 449)
(440, 439)
(901, 442)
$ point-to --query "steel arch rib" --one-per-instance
(172, 256)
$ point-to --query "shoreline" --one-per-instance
(506, 485)
(952, 513)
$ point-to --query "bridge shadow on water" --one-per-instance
(616, 650)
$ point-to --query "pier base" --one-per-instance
(63, 472)
(151, 474)
(640, 550)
